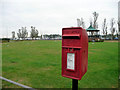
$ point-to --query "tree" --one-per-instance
(119, 24)
(104, 27)
(112, 28)
(22, 33)
(91, 23)
(106, 32)
(45, 36)
(19, 34)
(41, 36)
(80, 23)
(95, 16)
(34, 32)
(13, 35)
(117, 33)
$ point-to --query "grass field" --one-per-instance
(38, 65)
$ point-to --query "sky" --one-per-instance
(50, 16)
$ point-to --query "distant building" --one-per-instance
(92, 32)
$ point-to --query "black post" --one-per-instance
(74, 84)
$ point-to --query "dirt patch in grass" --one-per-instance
(90, 53)
(112, 41)
(46, 68)
(49, 86)
(3, 43)
(96, 49)
(113, 87)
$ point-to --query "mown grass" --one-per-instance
(38, 65)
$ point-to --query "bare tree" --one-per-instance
(19, 34)
(95, 16)
(119, 25)
(117, 33)
(104, 28)
(22, 33)
(80, 23)
(106, 32)
(34, 32)
(41, 37)
(112, 28)
(91, 23)
(13, 35)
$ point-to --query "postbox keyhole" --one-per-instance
(71, 49)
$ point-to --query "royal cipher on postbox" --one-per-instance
(74, 52)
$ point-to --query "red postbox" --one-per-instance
(74, 52)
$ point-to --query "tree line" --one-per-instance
(94, 24)
(23, 33)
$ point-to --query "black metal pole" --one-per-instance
(74, 84)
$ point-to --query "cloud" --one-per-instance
(50, 16)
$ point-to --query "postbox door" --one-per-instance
(71, 62)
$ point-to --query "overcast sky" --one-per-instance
(50, 16)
